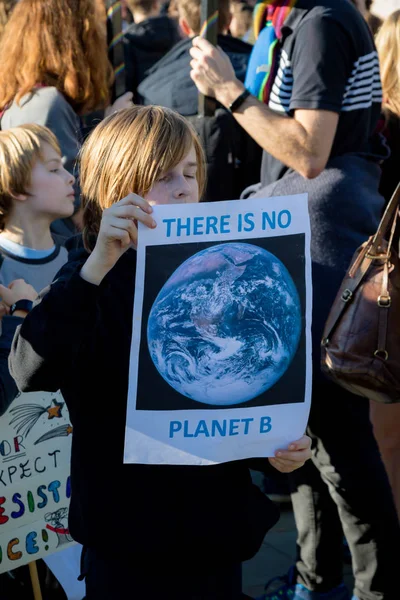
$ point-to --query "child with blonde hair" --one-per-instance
(149, 531)
(35, 190)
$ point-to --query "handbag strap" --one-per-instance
(347, 294)
(388, 215)
(372, 250)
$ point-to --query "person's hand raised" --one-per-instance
(118, 232)
(124, 101)
(294, 457)
(212, 71)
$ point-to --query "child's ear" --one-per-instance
(20, 197)
(185, 28)
(228, 24)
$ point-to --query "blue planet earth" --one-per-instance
(226, 325)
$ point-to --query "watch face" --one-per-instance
(13, 308)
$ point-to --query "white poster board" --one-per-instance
(35, 451)
(383, 8)
(220, 365)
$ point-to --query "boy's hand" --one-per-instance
(17, 290)
(118, 232)
(294, 457)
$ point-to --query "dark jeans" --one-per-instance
(345, 488)
(109, 578)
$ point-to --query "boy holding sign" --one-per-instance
(148, 531)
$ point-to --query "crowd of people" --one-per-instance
(307, 100)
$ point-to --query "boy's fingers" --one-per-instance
(135, 200)
(129, 225)
(129, 211)
(282, 466)
(294, 457)
(130, 214)
(145, 219)
(288, 465)
(302, 444)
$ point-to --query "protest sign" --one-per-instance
(220, 365)
(35, 450)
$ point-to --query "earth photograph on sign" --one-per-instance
(222, 323)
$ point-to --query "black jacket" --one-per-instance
(8, 388)
(169, 84)
(78, 339)
(146, 43)
(390, 127)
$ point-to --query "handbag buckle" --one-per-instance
(347, 295)
(382, 354)
(378, 256)
(384, 301)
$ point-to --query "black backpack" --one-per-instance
(233, 158)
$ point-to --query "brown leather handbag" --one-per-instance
(361, 342)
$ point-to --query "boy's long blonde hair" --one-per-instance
(128, 152)
(20, 148)
(388, 45)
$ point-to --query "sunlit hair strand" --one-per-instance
(388, 45)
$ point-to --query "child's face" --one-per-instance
(51, 192)
(177, 186)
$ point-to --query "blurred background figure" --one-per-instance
(66, 75)
(365, 7)
(233, 158)
(386, 418)
(127, 17)
(242, 20)
(383, 8)
(169, 83)
(147, 40)
(388, 46)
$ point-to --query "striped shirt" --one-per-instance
(363, 86)
(328, 61)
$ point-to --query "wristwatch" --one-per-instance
(25, 305)
(239, 101)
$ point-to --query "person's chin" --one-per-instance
(69, 211)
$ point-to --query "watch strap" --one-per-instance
(25, 305)
(239, 101)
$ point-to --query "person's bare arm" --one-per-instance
(303, 143)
